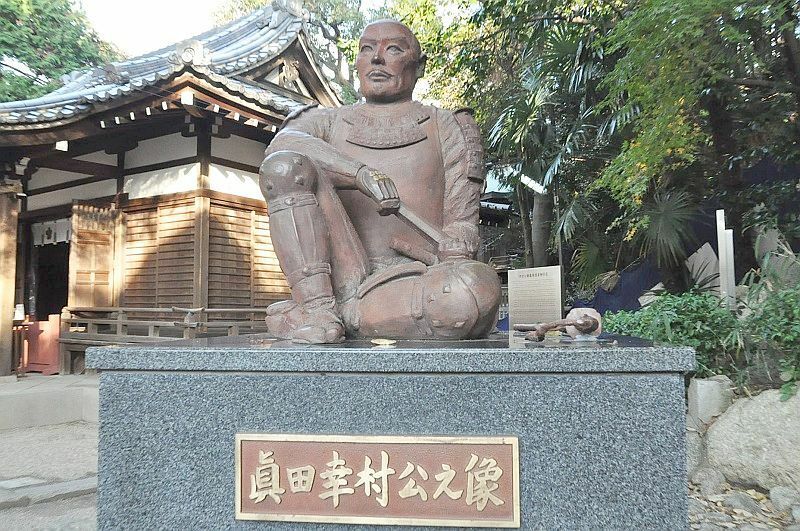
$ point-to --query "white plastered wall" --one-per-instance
(99, 156)
(175, 180)
(165, 181)
(161, 149)
(222, 178)
(238, 149)
(65, 197)
(46, 177)
(234, 182)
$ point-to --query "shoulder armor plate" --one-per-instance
(472, 138)
(294, 114)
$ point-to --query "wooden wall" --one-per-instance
(162, 241)
(159, 255)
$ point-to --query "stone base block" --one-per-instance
(601, 430)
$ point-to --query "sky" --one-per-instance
(145, 25)
(141, 26)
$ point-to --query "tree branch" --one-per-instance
(26, 74)
(527, 23)
(326, 31)
(778, 85)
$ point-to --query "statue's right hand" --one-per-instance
(380, 188)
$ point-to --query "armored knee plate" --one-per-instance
(460, 299)
(285, 173)
(452, 300)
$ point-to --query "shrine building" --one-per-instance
(135, 186)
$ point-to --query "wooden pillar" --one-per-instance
(202, 208)
(9, 212)
(202, 217)
(204, 153)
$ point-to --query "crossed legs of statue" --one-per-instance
(454, 299)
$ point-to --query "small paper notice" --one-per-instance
(534, 296)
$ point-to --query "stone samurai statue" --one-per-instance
(374, 210)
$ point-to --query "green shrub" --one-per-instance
(691, 319)
(773, 329)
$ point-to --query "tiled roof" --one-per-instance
(217, 55)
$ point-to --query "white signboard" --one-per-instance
(534, 296)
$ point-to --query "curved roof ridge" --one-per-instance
(227, 50)
(211, 34)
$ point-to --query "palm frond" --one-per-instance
(618, 119)
(669, 231)
(590, 261)
(575, 138)
(575, 216)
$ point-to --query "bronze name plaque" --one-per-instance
(386, 480)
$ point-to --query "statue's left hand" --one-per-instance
(379, 187)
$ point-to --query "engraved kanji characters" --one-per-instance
(445, 477)
(369, 476)
(411, 488)
(266, 481)
(336, 482)
(481, 482)
(301, 479)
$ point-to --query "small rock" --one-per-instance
(696, 507)
(707, 399)
(755, 441)
(740, 500)
(694, 451)
(783, 498)
(796, 513)
(710, 480)
(717, 518)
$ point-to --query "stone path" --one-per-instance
(70, 514)
(48, 477)
(745, 510)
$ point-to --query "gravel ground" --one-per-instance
(52, 453)
(71, 514)
(746, 510)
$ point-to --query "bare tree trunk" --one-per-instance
(541, 223)
(525, 221)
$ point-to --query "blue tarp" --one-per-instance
(625, 295)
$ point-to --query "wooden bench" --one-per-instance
(83, 327)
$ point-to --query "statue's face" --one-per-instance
(387, 63)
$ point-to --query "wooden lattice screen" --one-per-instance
(243, 268)
(162, 243)
(91, 260)
(159, 256)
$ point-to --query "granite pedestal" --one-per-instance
(601, 429)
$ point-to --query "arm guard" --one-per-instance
(307, 131)
(462, 154)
